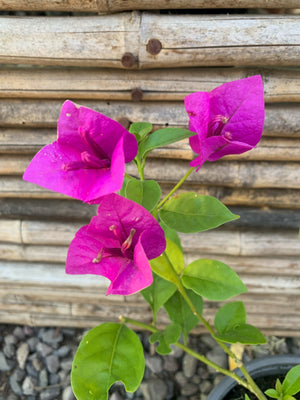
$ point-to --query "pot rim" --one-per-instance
(265, 366)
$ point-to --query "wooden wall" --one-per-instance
(138, 65)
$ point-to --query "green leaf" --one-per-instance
(166, 337)
(180, 313)
(247, 397)
(158, 293)
(229, 315)
(140, 129)
(272, 393)
(171, 234)
(170, 264)
(109, 353)
(278, 386)
(291, 383)
(242, 333)
(212, 280)
(189, 212)
(147, 193)
(163, 137)
(289, 397)
(127, 178)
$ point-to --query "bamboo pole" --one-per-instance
(107, 6)
(148, 40)
(280, 85)
(281, 119)
(13, 187)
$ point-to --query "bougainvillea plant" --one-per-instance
(133, 240)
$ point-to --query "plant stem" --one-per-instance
(176, 187)
(251, 384)
(198, 356)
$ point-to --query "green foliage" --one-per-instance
(230, 322)
(189, 212)
(180, 313)
(158, 293)
(212, 280)
(242, 333)
(291, 383)
(163, 137)
(147, 193)
(109, 353)
(170, 264)
(166, 337)
(229, 315)
(140, 130)
(171, 234)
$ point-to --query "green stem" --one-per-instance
(251, 384)
(198, 356)
(176, 187)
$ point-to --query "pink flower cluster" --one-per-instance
(87, 162)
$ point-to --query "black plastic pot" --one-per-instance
(260, 367)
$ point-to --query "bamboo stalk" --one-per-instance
(127, 40)
(107, 6)
(280, 85)
(281, 119)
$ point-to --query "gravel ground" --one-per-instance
(35, 364)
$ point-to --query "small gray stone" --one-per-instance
(52, 363)
(68, 394)
(28, 385)
(31, 371)
(208, 341)
(51, 337)
(19, 374)
(10, 339)
(44, 349)
(180, 378)
(219, 357)
(64, 377)
(37, 364)
(18, 333)
(4, 364)
(170, 364)
(22, 354)
(54, 379)
(189, 365)
(189, 389)
(43, 378)
(63, 351)
(115, 396)
(206, 387)
(154, 389)
(9, 350)
(12, 396)
(32, 343)
(15, 386)
(66, 365)
(28, 330)
(155, 364)
(51, 393)
(176, 351)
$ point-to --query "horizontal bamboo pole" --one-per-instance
(77, 212)
(127, 40)
(13, 187)
(280, 85)
(251, 174)
(107, 6)
(281, 119)
(38, 237)
(82, 304)
(25, 143)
